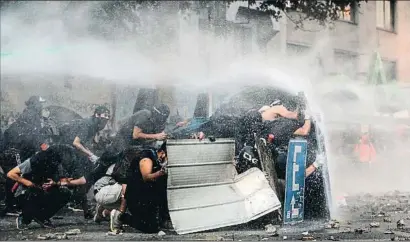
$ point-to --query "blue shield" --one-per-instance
(295, 182)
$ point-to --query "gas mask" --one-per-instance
(102, 120)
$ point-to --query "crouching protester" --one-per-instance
(145, 195)
(40, 193)
(110, 189)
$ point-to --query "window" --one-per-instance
(390, 69)
(385, 14)
(297, 50)
(348, 14)
(346, 63)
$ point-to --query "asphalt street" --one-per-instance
(365, 217)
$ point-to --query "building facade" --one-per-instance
(349, 46)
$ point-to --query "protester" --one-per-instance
(79, 132)
(22, 139)
(364, 150)
(40, 193)
(25, 133)
(109, 189)
(144, 127)
(145, 194)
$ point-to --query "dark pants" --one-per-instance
(144, 216)
(147, 213)
(315, 197)
(40, 205)
(10, 200)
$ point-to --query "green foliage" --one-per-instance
(318, 10)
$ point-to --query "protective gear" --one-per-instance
(160, 113)
(34, 100)
(94, 158)
(35, 103)
(103, 111)
(320, 161)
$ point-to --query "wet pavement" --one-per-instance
(366, 217)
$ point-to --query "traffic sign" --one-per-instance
(295, 182)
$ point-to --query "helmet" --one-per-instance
(160, 113)
(35, 100)
(102, 111)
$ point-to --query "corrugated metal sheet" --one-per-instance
(205, 192)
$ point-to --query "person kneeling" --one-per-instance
(145, 194)
(38, 194)
(110, 188)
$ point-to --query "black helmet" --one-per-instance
(36, 103)
(35, 100)
(102, 111)
(160, 113)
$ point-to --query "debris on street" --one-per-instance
(53, 236)
(401, 224)
(73, 232)
(374, 225)
(270, 229)
(387, 220)
(332, 225)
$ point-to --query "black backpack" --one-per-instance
(121, 171)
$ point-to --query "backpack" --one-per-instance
(121, 171)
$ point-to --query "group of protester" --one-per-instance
(46, 171)
(129, 177)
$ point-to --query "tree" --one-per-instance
(322, 11)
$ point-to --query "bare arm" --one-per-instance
(310, 170)
(15, 175)
(146, 170)
(305, 129)
(73, 183)
(77, 144)
(138, 134)
(284, 112)
(123, 205)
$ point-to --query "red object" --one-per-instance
(365, 149)
(271, 137)
(14, 188)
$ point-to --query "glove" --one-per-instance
(94, 158)
(320, 161)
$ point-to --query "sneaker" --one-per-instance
(115, 223)
(48, 224)
(98, 217)
(19, 223)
